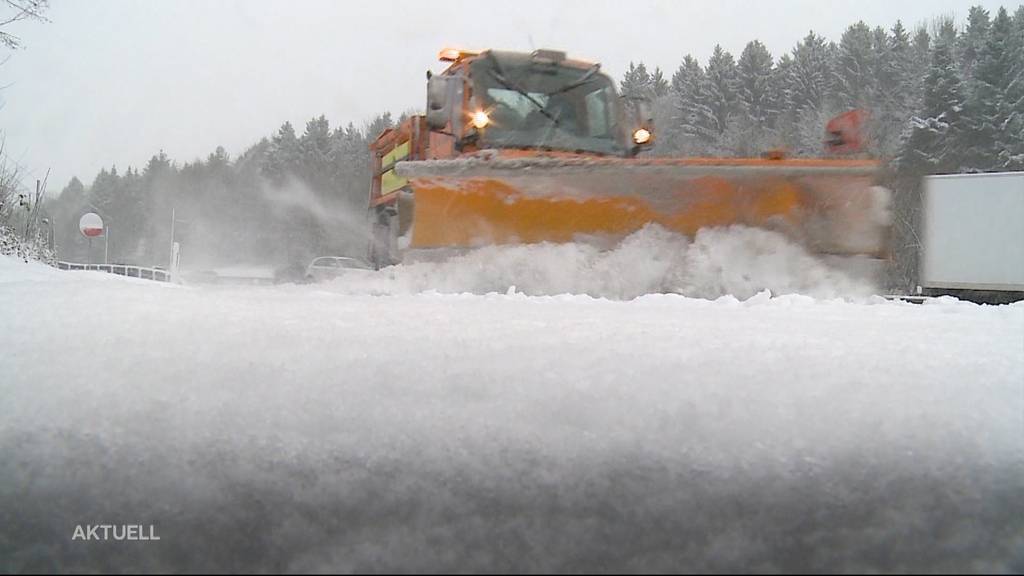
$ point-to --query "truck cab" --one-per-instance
(539, 101)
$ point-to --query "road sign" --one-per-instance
(91, 225)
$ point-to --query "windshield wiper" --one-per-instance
(580, 82)
(497, 75)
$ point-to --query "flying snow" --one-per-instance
(736, 261)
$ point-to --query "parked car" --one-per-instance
(328, 267)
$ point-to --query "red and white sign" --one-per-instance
(91, 225)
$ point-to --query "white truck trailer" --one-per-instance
(973, 237)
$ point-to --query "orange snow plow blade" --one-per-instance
(830, 206)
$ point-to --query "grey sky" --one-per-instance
(114, 81)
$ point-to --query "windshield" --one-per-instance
(352, 263)
(547, 106)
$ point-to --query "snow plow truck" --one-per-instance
(538, 147)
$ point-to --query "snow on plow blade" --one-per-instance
(830, 206)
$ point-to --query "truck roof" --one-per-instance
(511, 59)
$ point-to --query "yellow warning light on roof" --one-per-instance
(455, 54)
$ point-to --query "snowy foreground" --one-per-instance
(323, 427)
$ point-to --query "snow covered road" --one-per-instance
(320, 428)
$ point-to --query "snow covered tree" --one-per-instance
(74, 191)
(854, 78)
(316, 156)
(812, 77)
(686, 82)
(659, 85)
(282, 155)
(971, 43)
(637, 81)
(808, 93)
(898, 79)
(784, 119)
(105, 189)
(757, 101)
(992, 109)
(352, 172)
(1013, 158)
(377, 125)
(715, 106)
(936, 136)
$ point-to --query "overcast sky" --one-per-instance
(114, 81)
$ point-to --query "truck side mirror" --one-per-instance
(438, 102)
(845, 134)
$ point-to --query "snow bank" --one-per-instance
(295, 428)
(736, 261)
(14, 269)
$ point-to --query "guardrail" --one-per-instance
(121, 269)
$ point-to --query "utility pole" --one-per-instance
(172, 266)
(170, 263)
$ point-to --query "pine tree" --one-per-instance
(897, 72)
(920, 58)
(157, 166)
(352, 155)
(971, 43)
(812, 74)
(379, 123)
(638, 82)
(316, 154)
(934, 143)
(897, 80)
(809, 94)
(716, 103)
(756, 100)
(784, 120)
(74, 192)
(160, 182)
(65, 211)
(131, 215)
(854, 76)
(685, 88)
(659, 86)
(104, 190)
(991, 113)
(1014, 154)
(282, 155)
(218, 159)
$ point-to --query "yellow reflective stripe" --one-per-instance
(399, 152)
(389, 182)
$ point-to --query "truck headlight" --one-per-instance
(480, 119)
